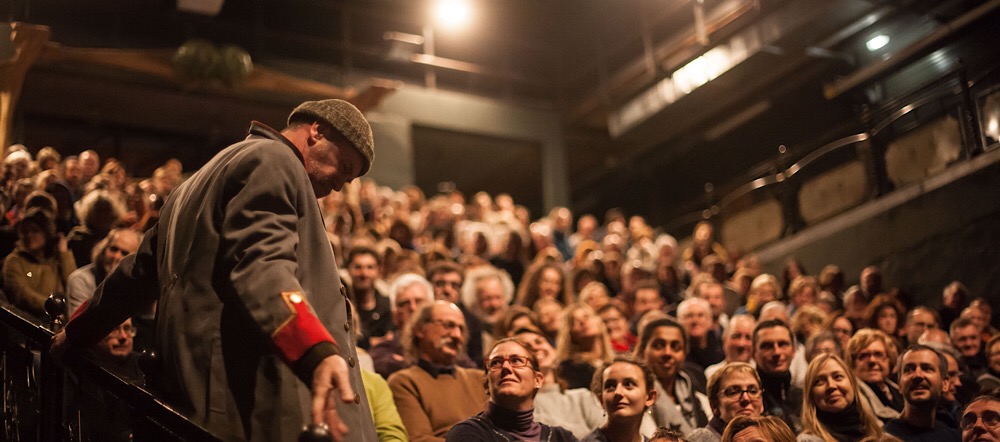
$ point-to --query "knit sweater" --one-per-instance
(430, 406)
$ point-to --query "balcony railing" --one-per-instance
(36, 394)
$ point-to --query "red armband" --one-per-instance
(300, 331)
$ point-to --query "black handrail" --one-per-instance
(152, 419)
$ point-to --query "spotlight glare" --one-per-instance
(877, 42)
(453, 14)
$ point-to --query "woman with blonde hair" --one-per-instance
(833, 409)
(582, 345)
(756, 428)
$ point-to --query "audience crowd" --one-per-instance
(480, 321)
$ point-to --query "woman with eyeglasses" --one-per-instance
(626, 389)
(512, 380)
(733, 391)
(832, 407)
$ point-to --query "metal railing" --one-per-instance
(949, 94)
(35, 391)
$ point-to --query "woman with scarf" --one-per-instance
(831, 409)
(513, 379)
(626, 389)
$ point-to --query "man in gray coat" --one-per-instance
(255, 340)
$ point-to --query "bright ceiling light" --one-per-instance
(877, 42)
(453, 14)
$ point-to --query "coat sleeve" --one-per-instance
(128, 291)
(263, 199)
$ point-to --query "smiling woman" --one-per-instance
(831, 410)
(512, 381)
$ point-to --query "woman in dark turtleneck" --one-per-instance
(831, 411)
(513, 380)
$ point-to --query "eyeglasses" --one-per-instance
(126, 329)
(735, 392)
(877, 355)
(514, 361)
(443, 283)
(990, 419)
(448, 325)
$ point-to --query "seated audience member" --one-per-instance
(512, 380)
(919, 320)
(516, 317)
(695, 314)
(966, 336)
(964, 385)
(663, 346)
(487, 292)
(921, 377)
(98, 211)
(737, 343)
(733, 391)
(446, 278)
(950, 409)
(582, 346)
(833, 409)
(626, 390)
(802, 291)
(870, 355)
(777, 310)
(434, 394)
(664, 434)
(807, 321)
(990, 378)
(406, 295)
(954, 298)
(82, 283)
(364, 266)
(821, 343)
(622, 339)
(763, 289)
(841, 327)
(981, 420)
(758, 428)
(885, 313)
(102, 416)
(388, 425)
(708, 288)
(39, 264)
(544, 280)
(548, 314)
(774, 349)
(646, 298)
(855, 302)
(595, 295)
(573, 409)
(984, 317)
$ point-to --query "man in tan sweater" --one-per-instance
(434, 393)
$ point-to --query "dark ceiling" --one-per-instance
(587, 60)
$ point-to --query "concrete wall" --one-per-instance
(412, 105)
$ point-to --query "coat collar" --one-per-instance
(258, 129)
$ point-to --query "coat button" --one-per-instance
(347, 325)
(357, 398)
(350, 361)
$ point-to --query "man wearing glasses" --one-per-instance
(981, 420)
(447, 279)
(434, 394)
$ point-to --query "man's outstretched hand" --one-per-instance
(331, 384)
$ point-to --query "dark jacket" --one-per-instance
(249, 299)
